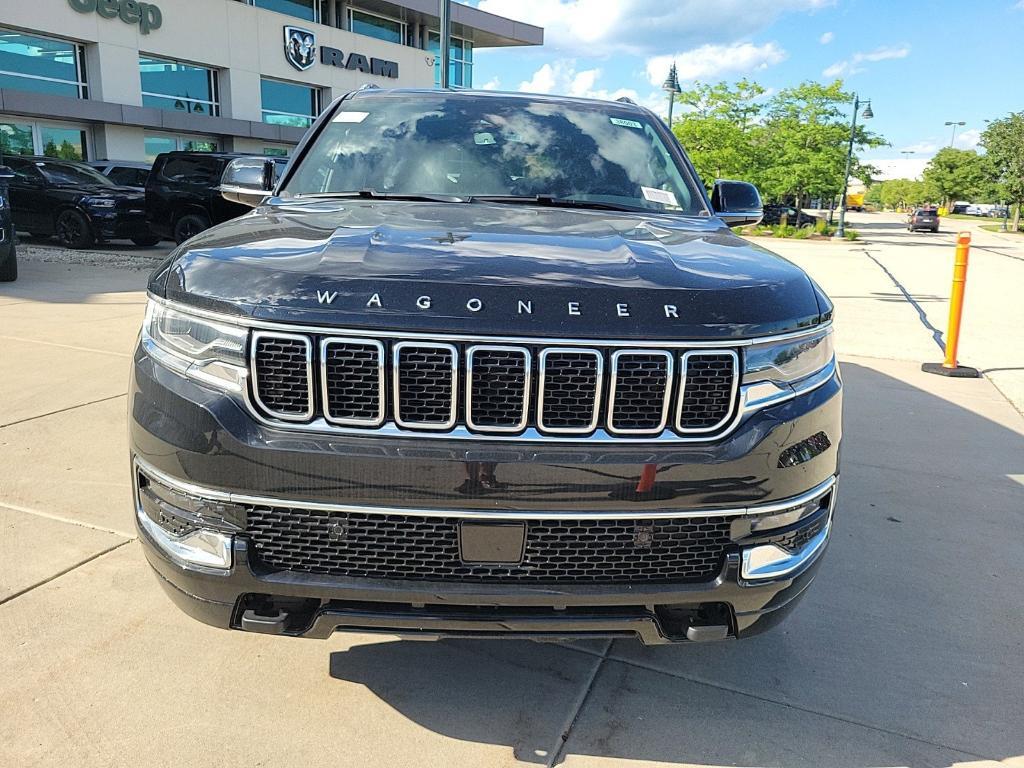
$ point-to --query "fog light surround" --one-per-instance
(202, 548)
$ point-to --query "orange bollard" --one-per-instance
(950, 367)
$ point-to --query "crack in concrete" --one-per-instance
(63, 572)
(62, 410)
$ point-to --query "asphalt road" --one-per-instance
(909, 650)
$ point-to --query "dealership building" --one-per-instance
(129, 79)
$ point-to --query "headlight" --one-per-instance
(787, 363)
(99, 202)
(196, 347)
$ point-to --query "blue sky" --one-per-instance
(920, 63)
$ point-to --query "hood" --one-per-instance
(102, 190)
(490, 269)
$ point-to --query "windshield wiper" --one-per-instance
(372, 194)
(558, 202)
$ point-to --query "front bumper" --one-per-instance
(204, 443)
(118, 224)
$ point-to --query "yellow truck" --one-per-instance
(855, 201)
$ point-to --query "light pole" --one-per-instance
(867, 115)
(954, 123)
(446, 41)
(671, 87)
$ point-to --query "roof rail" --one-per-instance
(626, 100)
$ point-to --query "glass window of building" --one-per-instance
(41, 64)
(372, 25)
(275, 152)
(176, 86)
(460, 68)
(300, 9)
(67, 142)
(288, 103)
(157, 144)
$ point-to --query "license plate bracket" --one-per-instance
(485, 543)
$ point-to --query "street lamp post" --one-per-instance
(954, 123)
(867, 115)
(671, 86)
(446, 42)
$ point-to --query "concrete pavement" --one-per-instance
(907, 651)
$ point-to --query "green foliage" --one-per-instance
(783, 230)
(803, 233)
(1003, 141)
(959, 174)
(792, 146)
(851, 234)
(899, 193)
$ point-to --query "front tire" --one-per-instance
(9, 267)
(73, 230)
(188, 226)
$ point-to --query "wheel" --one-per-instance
(73, 230)
(9, 267)
(146, 241)
(189, 225)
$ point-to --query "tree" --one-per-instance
(958, 174)
(1003, 141)
(900, 193)
(719, 128)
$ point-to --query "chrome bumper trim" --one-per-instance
(511, 514)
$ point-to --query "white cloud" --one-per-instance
(561, 77)
(643, 27)
(711, 61)
(828, 37)
(968, 139)
(852, 65)
(900, 168)
(494, 84)
(927, 147)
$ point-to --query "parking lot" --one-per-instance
(908, 651)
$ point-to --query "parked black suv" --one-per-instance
(8, 248)
(485, 364)
(74, 202)
(183, 193)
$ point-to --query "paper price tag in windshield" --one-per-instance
(625, 123)
(662, 196)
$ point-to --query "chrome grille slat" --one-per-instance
(282, 374)
(497, 388)
(426, 384)
(640, 393)
(708, 386)
(569, 394)
(352, 381)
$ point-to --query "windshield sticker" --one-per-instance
(625, 123)
(662, 196)
(350, 117)
(484, 139)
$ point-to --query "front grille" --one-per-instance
(396, 546)
(353, 381)
(709, 389)
(498, 388)
(570, 390)
(478, 388)
(425, 384)
(282, 375)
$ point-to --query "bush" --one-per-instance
(803, 233)
(852, 234)
(783, 230)
(820, 226)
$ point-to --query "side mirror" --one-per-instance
(6, 174)
(248, 180)
(737, 203)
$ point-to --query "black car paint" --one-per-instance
(36, 203)
(377, 258)
(169, 199)
(8, 247)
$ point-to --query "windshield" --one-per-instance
(66, 173)
(479, 146)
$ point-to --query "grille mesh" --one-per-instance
(425, 385)
(282, 376)
(397, 546)
(569, 397)
(707, 391)
(353, 380)
(641, 389)
(498, 387)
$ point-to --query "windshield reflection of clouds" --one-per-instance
(462, 146)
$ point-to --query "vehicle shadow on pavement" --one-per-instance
(905, 652)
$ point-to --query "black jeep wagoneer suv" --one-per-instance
(485, 364)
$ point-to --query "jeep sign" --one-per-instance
(146, 15)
